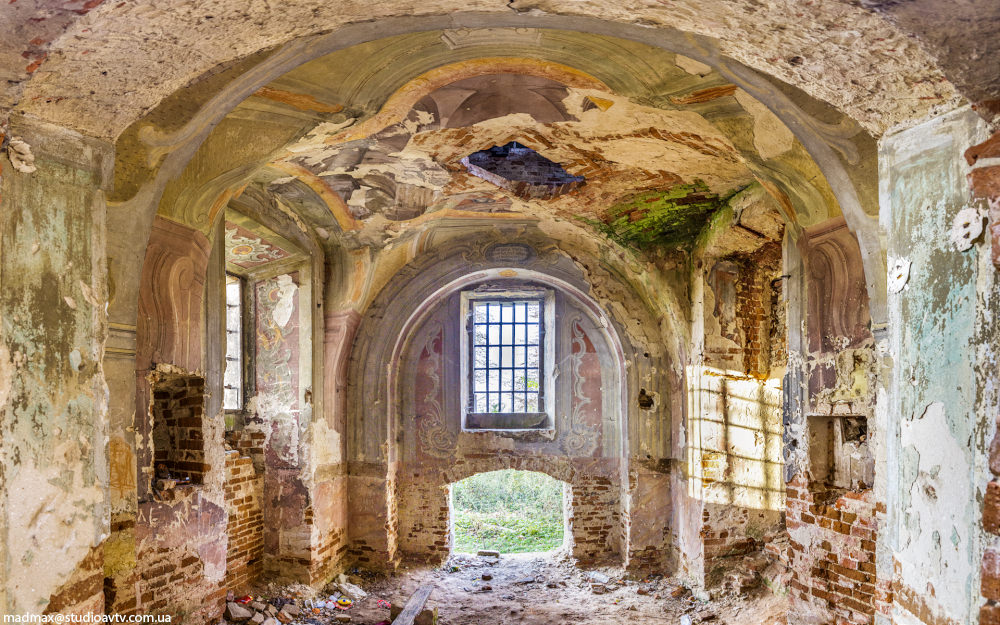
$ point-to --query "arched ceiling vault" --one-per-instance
(99, 66)
(397, 107)
(377, 131)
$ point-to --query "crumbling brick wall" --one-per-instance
(178, 441)
(245, 525)
(832, 554)
(736, 422)
(754, 315)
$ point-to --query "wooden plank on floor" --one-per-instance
(414, 605)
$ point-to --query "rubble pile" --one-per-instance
(298, 604)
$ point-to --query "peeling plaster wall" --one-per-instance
(734, 491)
(170, 549)
(938, 425)
(832, 509)
(583, 448)
(53, 398)
(381, 505)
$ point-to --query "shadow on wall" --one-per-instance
(735, 455)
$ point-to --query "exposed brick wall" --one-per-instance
(984, 180)
(593, 507)
(330, 549)
(427, 535)
(245, 526)
(753, 308)
(84, 592)
(178, 441)
(172, 581)
(248, 443)
(596, 513)
(732, 531)
(832, 554)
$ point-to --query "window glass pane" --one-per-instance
(506, 402)
(533, 357)
(532, 402)
(506, 355)
(506, 334)
(506, 380)
(519, 402)
(232, 397)
(534, 308)
(520, 334)
(233, 289)
(533, 380)
(519, 356)
(233, 344)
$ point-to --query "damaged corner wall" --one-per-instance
(170, 554)
(53, 399)
(942, 398)
(832, 510)
(734, 494)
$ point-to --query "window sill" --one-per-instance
(507, 421)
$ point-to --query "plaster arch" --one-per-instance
(381, 435)
(825, 133)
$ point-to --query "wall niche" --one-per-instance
(839, 454)
(178, 411)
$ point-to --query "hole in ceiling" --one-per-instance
(522, 171)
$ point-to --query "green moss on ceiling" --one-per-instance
(667, 218)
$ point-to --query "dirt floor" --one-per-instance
(537, 589)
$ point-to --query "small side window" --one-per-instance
(233, 380)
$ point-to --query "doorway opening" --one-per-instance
(509, 511)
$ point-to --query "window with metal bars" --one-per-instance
(506, 342)
(233, 386)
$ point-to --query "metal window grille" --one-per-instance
(506, 339)
(232, 398)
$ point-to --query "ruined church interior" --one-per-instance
(277, 278)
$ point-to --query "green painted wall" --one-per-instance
(936, 429)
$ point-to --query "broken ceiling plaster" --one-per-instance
(889, 77)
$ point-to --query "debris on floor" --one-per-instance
(528, 589)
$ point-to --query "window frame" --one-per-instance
(484, 421)
(246, 344)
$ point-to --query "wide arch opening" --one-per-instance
(510, 511)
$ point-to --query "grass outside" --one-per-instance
(508, 511)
